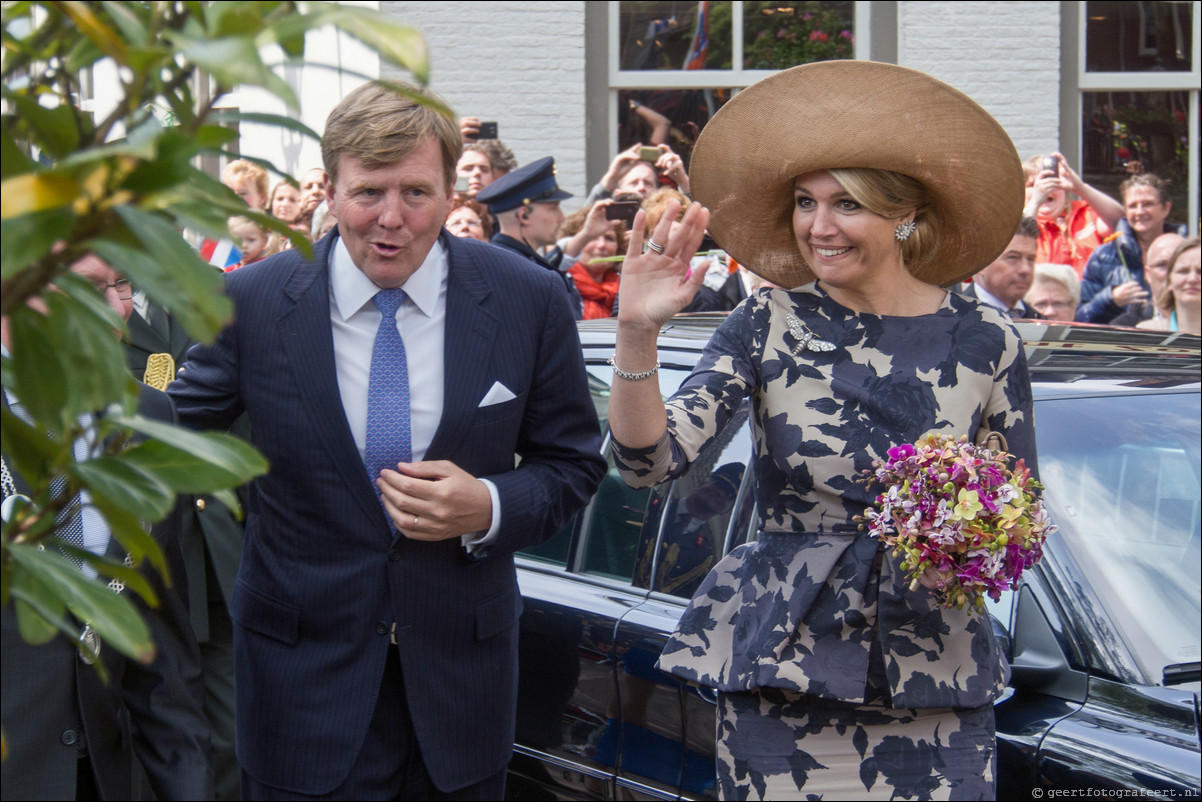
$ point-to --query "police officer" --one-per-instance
(526, 205)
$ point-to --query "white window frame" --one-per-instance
(1148, 82)
(737, 78)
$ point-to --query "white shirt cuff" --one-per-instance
(477, 540)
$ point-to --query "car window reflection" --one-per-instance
(696, 515)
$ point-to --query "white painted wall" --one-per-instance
(518, 63)
(1005, 56)
(319, 86)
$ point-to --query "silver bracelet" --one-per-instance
(632, 377)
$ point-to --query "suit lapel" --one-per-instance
(309, 351)
(471, 330)
(143, 336)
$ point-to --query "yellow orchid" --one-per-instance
(968, 504)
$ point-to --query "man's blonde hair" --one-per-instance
(379, 126)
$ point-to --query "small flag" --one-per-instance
(220, 253)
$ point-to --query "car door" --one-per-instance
(667, 726)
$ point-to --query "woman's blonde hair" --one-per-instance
(273, 239)
(893, 196)
(1167, 302)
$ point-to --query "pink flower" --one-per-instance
(807, 16)
(847, 35)
(818, 36)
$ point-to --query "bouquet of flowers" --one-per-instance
(961, 516)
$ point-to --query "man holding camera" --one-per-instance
(526, 206)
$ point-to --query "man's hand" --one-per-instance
(672, 166)
(620, 166)
(469, 128)
(435, 500)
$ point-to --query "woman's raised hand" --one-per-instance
(657, 283)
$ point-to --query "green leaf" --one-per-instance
(213, 136)
(161, 263)
(39, 370)
(396, 42)
(130, 532)
(181, 470)
(94, 28)
(236, 19)
(133, 579)
(126, 485)
(133, 28)
(54, 130)
(25, 240)
(13, 160)
(141, 143)
(276, 120)
(160, 176)
(173, 452)
(112, 615)
(40, 612)
(234, 61)
(230, 499)
(27, 448)
(82, 331)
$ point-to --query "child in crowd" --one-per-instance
(253, 240)
(248, 180)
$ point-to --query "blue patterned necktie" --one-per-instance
(388, 439)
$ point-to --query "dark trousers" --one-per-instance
(390, 765)
(217, 661)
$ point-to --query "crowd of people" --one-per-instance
(311, 377)
(1079, 254)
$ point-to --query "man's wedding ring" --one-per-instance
(652, 245)
(415, 522)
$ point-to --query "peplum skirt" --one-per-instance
(776, 744)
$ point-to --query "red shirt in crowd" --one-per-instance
(1070, 239)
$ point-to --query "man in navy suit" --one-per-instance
(376, 609)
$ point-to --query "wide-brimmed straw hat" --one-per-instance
(856, 114)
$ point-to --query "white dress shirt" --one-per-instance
(421, 320)
(991, 299)
(96, 532)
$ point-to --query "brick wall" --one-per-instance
(521, 64)
(1005, 56)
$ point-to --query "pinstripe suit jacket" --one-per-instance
(322, 579)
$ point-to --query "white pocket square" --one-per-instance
(497, 394)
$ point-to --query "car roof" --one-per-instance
(1064, 358)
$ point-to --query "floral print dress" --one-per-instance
(814, 608)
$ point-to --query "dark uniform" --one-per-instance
(533, 183)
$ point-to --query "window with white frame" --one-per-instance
(1138, 77)
(673, 63)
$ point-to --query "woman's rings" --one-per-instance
(652, 245)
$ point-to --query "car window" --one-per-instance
(696, 514)
(620, 517)
(1122, 482)
(617, 524)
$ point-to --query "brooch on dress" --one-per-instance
(806, 339)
